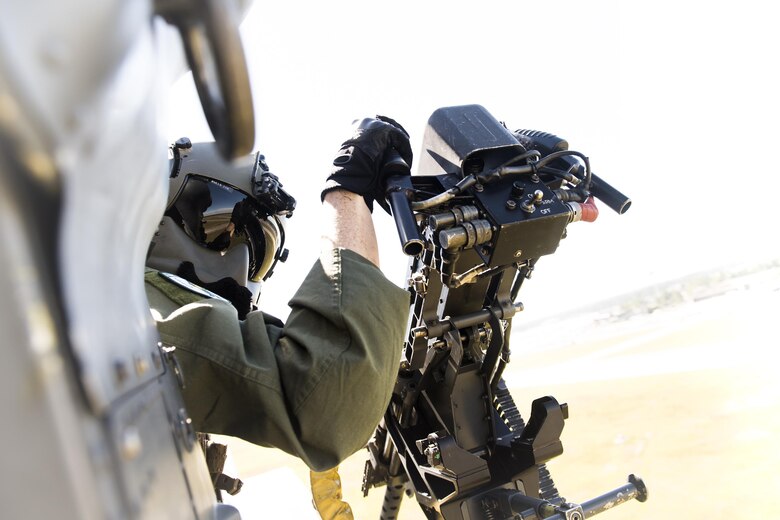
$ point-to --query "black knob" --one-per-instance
(183, 143)
(518, 188)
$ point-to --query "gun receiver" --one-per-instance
(486, 204)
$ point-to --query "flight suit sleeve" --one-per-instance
(314, 387)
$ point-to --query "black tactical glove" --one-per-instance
(358, 164)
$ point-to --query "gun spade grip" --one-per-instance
(394, 165)
(398, 191)
(609, 195)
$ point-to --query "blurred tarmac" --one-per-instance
(686, 397)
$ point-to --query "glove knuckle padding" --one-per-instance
(360, 160)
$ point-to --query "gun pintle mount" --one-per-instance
(487, 205)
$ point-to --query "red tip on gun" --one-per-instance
(584, 211)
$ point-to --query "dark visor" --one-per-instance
(219, 217)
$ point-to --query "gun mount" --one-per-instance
(487, 204)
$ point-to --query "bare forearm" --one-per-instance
(347, 223)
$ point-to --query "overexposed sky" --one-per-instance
(675, 103)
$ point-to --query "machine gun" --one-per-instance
(488, 204)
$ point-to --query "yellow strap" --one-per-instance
(326, 491)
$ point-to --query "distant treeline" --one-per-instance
(763, 275)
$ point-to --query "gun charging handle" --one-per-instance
(398, 192)
(530, 508)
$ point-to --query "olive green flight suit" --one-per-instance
(314, 387)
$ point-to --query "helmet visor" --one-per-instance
(220, 217)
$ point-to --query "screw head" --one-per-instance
(130, 444)
(141, 365)
(121, 372)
